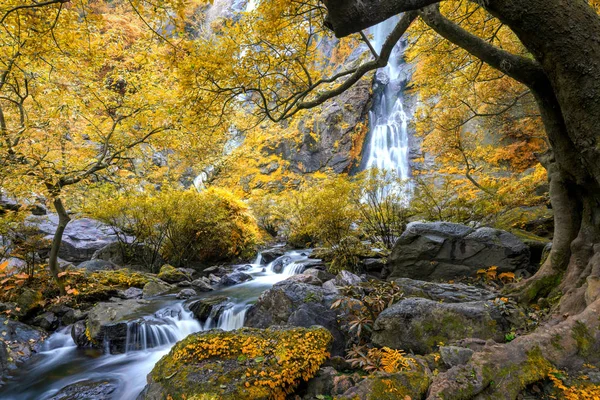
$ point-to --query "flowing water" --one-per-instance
(388, 148)
(149, 337)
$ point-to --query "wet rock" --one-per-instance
(329, 381)
(235, 278)
(196, 374)
(299, 304)
(445, 251)
(330, 288)
(304, 278)
(186, 294)
(72, 316)
(418, 325)
(272, 254)
(401, 385)
(208, 307)
(18, 342)
(86, 390)
(106, 323)
(279, 264)
(454, 355)
(28, 300)
(213, 279)
(202, 285)
(446, 292)
(47, 321)
(98, 265)
(154, 288)
(171, 274)
(373, 265)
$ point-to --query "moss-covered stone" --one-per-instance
(244, 364)
(171, 274)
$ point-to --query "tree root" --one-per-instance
(501, 371)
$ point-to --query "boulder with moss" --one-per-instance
(171, 274)
(420, 325)
(244, 364)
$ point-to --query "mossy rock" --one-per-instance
(244, 364)
(171, 274)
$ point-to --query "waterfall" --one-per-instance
(388, 148)
(167, 326)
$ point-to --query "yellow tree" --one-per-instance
(83, 88)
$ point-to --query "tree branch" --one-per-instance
(35, 5)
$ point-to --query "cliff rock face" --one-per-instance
(334, 137)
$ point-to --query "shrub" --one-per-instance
(382, 202)
(183, 226)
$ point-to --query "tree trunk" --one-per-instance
(63, 220)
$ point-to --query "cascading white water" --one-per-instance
(389, 145)
(164, 327)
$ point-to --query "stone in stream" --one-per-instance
(87, 390)
(97, 265)
(171, 274)
(445, 251)
(186, 294)
(202, 284)
(18, 342)
(210, 306)
(235, 278)
(227, 371)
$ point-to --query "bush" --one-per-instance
(382, 202)
(183, 226)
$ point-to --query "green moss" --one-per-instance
(584, 339)
(413, 384)
(555, 341)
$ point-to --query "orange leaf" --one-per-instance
(3, 265)
(61, 274)
(21, 276)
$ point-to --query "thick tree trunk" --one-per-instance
(63, 221)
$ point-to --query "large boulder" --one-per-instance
(107, 324)
(136, 255)
(81, 239)
(445, 251)
(97, 265)
(156, 287)
(297, 303)
(18, 342)
(419, 325)
(247, 364)
(446, 292)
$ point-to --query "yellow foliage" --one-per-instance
(585, 391)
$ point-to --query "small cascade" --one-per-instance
(166, 326)
(233, 317)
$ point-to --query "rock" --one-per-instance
(279, 264)
(445, 251)
(213, 279)
(107, 323)
(28, 300)
(330, 288)
(186, 294)
(208, 307)
(81, 239)
(345, 278)
(401, 385)
(308, 279)
(324, 276)
(189, 371)
(202, 285)
(171, 274)
(97, 265)
(72, 316)
(18, 342)
(138, 254)
(419, 325)
(131, 293)
(272, 254)
(299, 304)
(85, 390)
(47, 321)
(454, 355)
(235, 278)
(373, 264)
(329, 381)
(446, 292)
(154, 288)
(79, 334)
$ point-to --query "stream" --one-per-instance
(166, 321)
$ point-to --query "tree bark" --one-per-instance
(63, 221)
